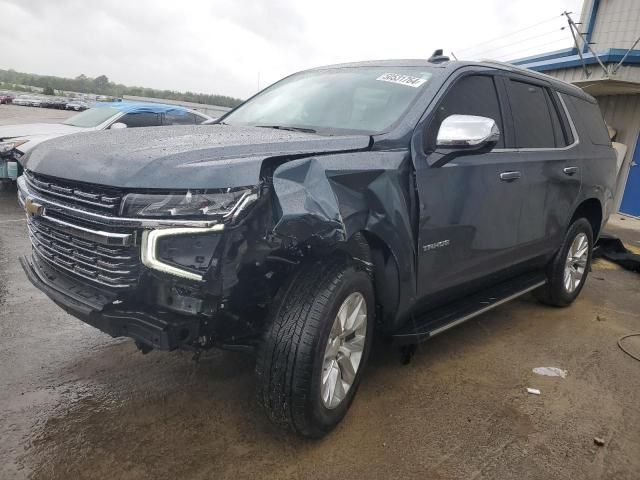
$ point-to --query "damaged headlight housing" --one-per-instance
(225, 203)
(186, 251)
(8, 145)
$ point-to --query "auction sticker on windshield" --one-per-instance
(407, 80)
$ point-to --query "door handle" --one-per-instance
(570, 170)
(510, 176)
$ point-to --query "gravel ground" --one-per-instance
(75, 403)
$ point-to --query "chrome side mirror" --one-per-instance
(467, 132)
(117, 126)
(463, 135)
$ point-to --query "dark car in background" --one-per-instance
(57, 103)
(6, 98)
(77, 105)
(391, 198)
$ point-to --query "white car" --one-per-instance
(16, 140)
(27, 101)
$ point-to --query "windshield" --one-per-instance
(92, 117)
(362, 99)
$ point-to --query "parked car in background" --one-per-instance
(394, 198)
(6, 98)
(54, 102)
(77, 105)
(21, 100)
(27, 101)
(16, 140)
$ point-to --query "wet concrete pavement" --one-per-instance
(16, 114)
(75, 403)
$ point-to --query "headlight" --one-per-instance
(6, 147)
(223, 203)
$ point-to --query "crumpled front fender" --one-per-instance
(325, 200)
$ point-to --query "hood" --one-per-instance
(36, 129)
(35, 133)
(181, 157)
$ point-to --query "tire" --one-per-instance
(292, 358)
(558, 292)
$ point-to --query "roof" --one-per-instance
(383, 63)
(454, 65)
(141, 107)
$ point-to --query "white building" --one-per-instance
(610, 71)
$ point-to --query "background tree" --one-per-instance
(102, 86)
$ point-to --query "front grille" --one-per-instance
(86, 254)
(89, 197)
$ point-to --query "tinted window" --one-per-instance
(558, 132)
(180, 118)
(565, 121)
(143, 119)
(471, 95)
(531, 116)
(591, 119)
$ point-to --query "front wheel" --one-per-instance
(315, 347)
(568, 270)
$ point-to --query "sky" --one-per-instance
(235, 47)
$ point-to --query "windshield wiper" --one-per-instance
(289, 128)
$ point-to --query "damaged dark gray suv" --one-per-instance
(391, 198)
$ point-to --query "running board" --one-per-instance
(443, 318)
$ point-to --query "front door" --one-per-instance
(470, 207)
(631, 199)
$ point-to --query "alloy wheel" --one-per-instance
(576, 262)
(343, 353)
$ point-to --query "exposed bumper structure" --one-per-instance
(100, 309)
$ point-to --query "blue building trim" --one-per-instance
(591, 23)
(565, 52)
(544, 62)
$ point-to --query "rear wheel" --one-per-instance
(315, 347)
(568, 271)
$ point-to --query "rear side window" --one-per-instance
(591, 120)
(471, 95)
(558, 132)
(180, 118)
(534, 125)
(143, 119)
(565, 120)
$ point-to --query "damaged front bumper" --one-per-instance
(102, 310)
(165, 284)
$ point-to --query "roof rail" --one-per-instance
(508, 65)
(532, 73)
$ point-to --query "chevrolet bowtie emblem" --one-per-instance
(32, 208)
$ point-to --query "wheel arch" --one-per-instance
(370, 248)
(591, 209)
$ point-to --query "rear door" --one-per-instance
(545, 147)
(470, 207)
